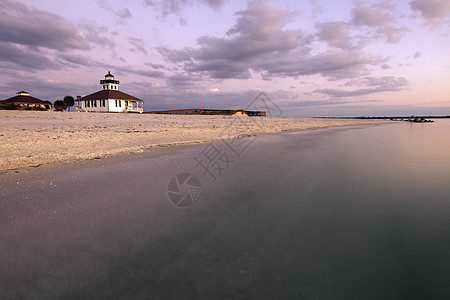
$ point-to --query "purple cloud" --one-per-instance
(167, 7)
(431, 9)
(380, 18)
(336, 34)
(258, 41)
(138, 45)
(373, 84)
(30, 26)
(123, 13)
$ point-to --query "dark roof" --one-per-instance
(109, 74)
(26, 99)
(110, 94)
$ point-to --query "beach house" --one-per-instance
(25, 101)
(109, 99)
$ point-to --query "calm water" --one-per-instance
(349, 213)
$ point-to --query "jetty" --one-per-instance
(419, 120)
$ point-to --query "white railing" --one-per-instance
(132, 108)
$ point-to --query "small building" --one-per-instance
(110, 99)
(25, 101)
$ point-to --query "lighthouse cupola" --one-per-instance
(109, 83)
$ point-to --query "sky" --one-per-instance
(310, 57)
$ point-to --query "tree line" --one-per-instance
(66, 103)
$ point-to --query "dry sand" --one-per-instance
(33, 138)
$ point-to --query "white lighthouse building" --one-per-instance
(110, 99)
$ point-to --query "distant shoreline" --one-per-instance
(34, 138)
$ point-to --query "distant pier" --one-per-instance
(200, 111)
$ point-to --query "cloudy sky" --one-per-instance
(311, 57)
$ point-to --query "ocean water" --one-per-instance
(353, 213)
(341, 213)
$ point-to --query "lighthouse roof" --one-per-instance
(110, 94)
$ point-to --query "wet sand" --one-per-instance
(30, 139)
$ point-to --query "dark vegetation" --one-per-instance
(59, 105)
(12, 106)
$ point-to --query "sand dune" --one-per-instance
(33, 138)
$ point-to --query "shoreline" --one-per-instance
(27, 175)
(34, 139)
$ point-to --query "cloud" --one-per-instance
(182, 21)
(131, 70)
(387, 82)
(257, 34)
(34, 39)
(333, 64)
(167, 98)
(316, 8)
(123, 13)
(167, 7)
(258, 42)
(175, 56)
(95, 34)
(25, 25)
(156, 66)
(380, 18)
(290, 103)
(336, 34)
(214, 3)
(27, 58)
(181, 81)
(42, 88)
(76, 59)
(373, 84)
(431, 9)
(146, 73)
(138, 45)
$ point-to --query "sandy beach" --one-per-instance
(30, 139)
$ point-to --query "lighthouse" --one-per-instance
(109, 83)
(110, 99)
